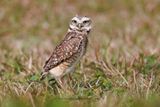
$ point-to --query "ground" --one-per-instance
(120, 69)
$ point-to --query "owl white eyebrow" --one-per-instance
(86, 18)
(81, 18)
(75, 18)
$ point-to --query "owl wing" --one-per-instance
(63, 51)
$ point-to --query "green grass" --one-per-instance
(120, 69)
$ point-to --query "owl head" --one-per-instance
(80, 23)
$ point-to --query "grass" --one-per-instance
(121, 66)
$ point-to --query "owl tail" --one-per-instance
(43, 75)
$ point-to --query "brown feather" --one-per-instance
(65, 50)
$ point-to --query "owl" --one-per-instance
(68, 53)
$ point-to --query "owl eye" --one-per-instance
(74, 21)
(84, 22)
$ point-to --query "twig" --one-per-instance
(32, 101)
(135, 81)
(28, 87)
(150, 83)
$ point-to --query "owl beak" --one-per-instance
(80, 25)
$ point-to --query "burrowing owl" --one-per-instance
(68, 53)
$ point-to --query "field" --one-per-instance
(120, 69)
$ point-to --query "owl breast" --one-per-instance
(76, 57)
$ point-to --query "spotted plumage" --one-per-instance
(68, 53)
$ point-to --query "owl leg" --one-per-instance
(70, 77)
(60, 83)
(71, 83)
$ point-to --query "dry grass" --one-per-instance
(121, 67)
